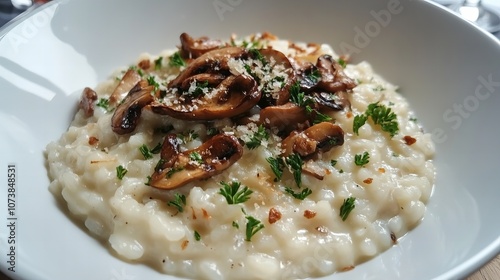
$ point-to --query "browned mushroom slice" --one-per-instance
(194, 48)
(232, 97)
(280, 96)
(89, 96)
(127, 114)
(211, 80)
(319, 137)
(211, 158)
(129, 80)
(211, 62)
(282, 116)
(308, 77)
(333, 78)
(336, 101)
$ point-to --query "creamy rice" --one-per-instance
(208, 240)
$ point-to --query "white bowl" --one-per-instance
(448, 69)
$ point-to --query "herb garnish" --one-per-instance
(235, 225)
(380, 115)
(347, 207)
(257, 138)
(176, 60)
(258, 55)
(199, 89)
(188, 136)
(148, 153)
(103, 103)
(253, 226)
(342, 62)
(120, 172)
(158, 63)
(196, 157)
(300, 195)
(333, 162)
(298, 97)
(362, 160)
(173, 170)
(179, 202)
(197, 236)
(233, 194)
(153, 82)
(277, 165)
(295, 162)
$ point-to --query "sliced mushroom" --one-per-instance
(307, 76)
(178, 169)
(333, 78)
(89, 96)
(336, 101)
(129, 80)
(282, 95)
(319, 137)
(194, 48)
(282, 116)
(127, 114)
(210, 79)
(232, 97)
(215, 61)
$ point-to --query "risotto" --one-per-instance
(251, 158)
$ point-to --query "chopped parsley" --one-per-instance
(188, 136)
(104, 103)
(362, 160)
(342, 62)
(314, 76)
(148, 181)
(197, 236)
(380, 115)
(137, 69)
(233, 194)
(148, 153)
(257, 138)
(256, 53)
(333, 162)
(179, 202)
(120, 172)
(298, 97)
(413, 119)
(159, 165)
(176, 60)
(299, 195)
(320, 117)
(253, 226)
(173, 170)
(158, 63)
(277, 165)
(212, 131)
(295, 162)
(236, 225)
(196, 157)
(153, 82)
(199, 89)
(347, 207)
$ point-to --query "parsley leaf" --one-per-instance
(188, 136)
(359, 121)
(120, 172)
(300, 195)
(179, 202)
(148, 153)
(253, 226)
(257, 138)
(196, 157)
(384, 117)
(298, 97)
(362, 160)
(295, 162)
(197, 236)
(277, 165)
(314, 76)
(333, 162)
(256, 53)
(103, 103)
(320, 117)
(176, 60)
(233, 194)
(199, 89)
(380, 115)
(153, 82)
(158, 63)
(342, 63)
(347, 207)
(235, 225)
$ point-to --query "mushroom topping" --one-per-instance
(129, 80)
(308, 77)
(283, 116)
(215, 61)
(336, 101)
(87, 100)
(233, 96)
(319, 137)
(194, 48)
(333, 78)
(276, 95)
(127, 114)
(209, 159)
